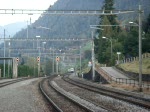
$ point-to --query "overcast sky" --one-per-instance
(22, 4)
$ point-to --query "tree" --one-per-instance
(108, 6)
(146, 43)
(131, 43)
(49, 67)
(146, 36)
(103, 47)
(87, 54)
(107, 31)
(103, 44)
(146, 25)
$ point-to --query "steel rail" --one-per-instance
(62, 94)
(56, 108)
(134, 99)
(71, 99)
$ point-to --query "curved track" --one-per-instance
(54, 106)
(59, 100)
(125, 96)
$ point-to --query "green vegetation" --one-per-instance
(134, 66)
(125, 39)
(25, 71)
(7, 73)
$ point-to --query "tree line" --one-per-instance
(124, 38)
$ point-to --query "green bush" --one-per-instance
(24, 71)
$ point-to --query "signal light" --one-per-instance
(17, 59)
(57, 58)
(38, 59)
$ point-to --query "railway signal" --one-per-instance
(17, 59)
(57, 58)
(38, 59)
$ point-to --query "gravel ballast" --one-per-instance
(23, 96)
(106, 101)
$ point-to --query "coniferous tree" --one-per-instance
(131, 43)
(146, 26)
(146, 36)
(109, 32)
(103, 43)
(107, 7)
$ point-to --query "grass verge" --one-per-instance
(134, 66)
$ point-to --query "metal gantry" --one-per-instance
(63, 12)
(46, 39)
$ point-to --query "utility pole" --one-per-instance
(4, 54)
(8, 60)
(140, 49)
(57, 59)
(27, 36)
(53, 60)
(111, 51)
(80, 59)
(93, 57)
(27, 31)
(39, 66)
(93, 54)
(38, 47)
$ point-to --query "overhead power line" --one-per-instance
(64, 12)
(45, 39)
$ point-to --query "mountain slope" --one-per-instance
(70, 26)
(15, 27)
(67, 26)
(12, 28)
(78, 26)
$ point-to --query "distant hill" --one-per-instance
(12, 29)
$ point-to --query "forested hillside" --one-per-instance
(132, 5)
(77, 26)
(63, 26)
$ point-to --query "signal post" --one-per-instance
(38, 61)
(57, 60)
(15, 67)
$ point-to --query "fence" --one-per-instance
(127, 60)
(133, 82)
(112, 79)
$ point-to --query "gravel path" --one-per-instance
(22, 97)
(111, 71)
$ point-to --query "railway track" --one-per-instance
(2, 84)
(54, 107)
(121, 95)
(60, 100)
